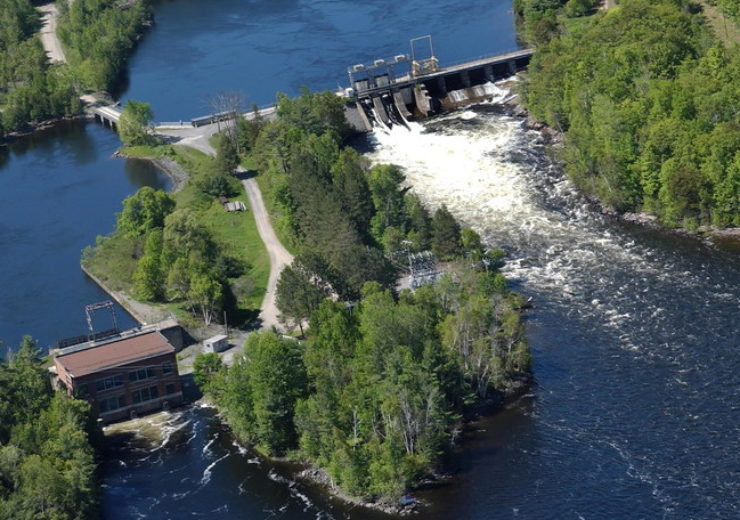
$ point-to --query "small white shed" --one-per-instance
(216, 343)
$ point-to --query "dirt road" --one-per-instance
(52, 46)
(279, 256)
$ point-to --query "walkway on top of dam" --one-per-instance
(111, 114)
(412, 79)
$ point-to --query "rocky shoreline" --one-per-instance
(317, 476)
(32, 128)
(709, 234)
(168, 166)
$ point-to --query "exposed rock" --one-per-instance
(639, 218)
(318, 476)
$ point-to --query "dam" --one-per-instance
(387, 91)
(423, 88)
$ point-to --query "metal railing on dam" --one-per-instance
(367, 81)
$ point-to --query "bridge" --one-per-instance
(380, 95)
(107, 114)
(386, 98)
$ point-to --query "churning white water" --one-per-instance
(635, 342)
(495, 176)
(626, 323)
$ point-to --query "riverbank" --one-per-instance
(634, 151)
(471, 418)
(165, 164)
(554, 138)
(142, 312)
(52, 88)
(243, 264)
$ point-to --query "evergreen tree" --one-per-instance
(226, 157)
(446, 240)
(277, 379)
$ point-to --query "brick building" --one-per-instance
(122, 377)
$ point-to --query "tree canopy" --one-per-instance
(374, 393)
(97, 35)
(144, 210)
(135, 123)
(47, 467)
(649, 102)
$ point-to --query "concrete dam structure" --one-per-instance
(387, 91)
(426, 89)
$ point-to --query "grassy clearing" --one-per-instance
(114, 258)
(149, 152)
(237, 233)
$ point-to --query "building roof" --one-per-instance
(115, 353)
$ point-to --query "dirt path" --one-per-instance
(724, 29)
(52, 46)
(279, 256)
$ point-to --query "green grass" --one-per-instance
(266, 189)
(576, 25)
(144, 151)
(238, 236)
(114, 258)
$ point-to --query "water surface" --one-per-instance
(634, 333)
(262, 47)
(59, 189)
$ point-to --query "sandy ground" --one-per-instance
(49, 40)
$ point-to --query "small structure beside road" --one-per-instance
(217, 343)
(236, 205)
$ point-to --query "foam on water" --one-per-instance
(206, 478)
(625, 293)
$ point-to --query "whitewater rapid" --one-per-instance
(635, 332)
(635, 343)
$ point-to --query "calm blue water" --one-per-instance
(261, 47)
(59, 189)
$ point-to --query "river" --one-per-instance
(259, 48)
(59, 189)
(634, 333)
(634, 413)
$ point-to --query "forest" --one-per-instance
(97, 35)
(346, 220)
(374, 390)
(47, 462)
(648, 101)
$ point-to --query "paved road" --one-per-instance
(279, 256)
(52, 46)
